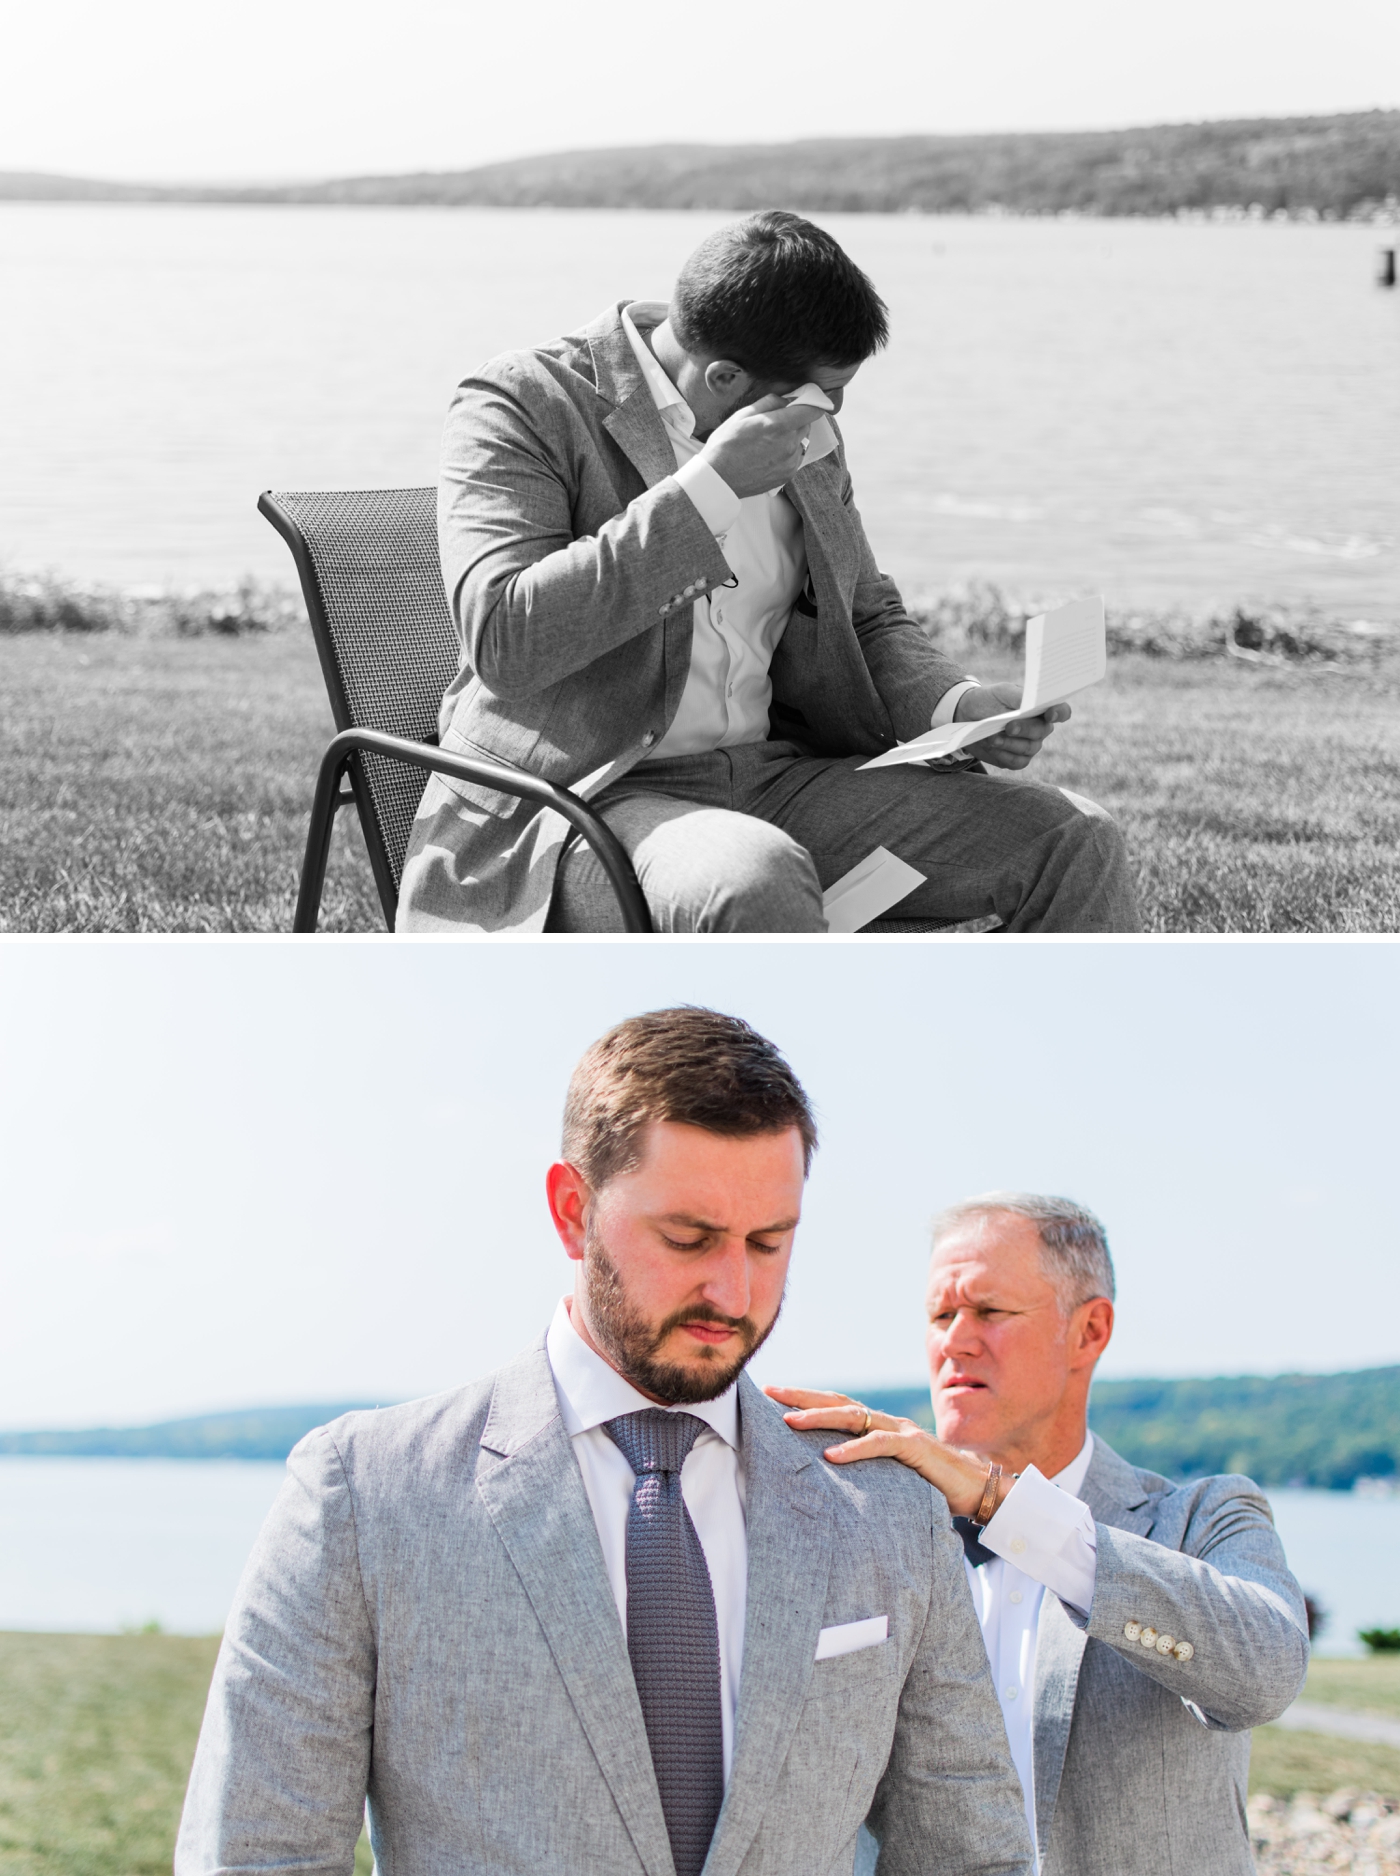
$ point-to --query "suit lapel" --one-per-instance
(1059, 1650)
(533, 1491)
(811, 492)
(1114, 1494)
(789, 1563)
(633, 423)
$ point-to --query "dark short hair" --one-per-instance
(690, 1065)
(777, 295)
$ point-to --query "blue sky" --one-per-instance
(267, 1171)
(273, 88)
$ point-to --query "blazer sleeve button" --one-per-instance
(1148, 1638)
(1131, 1631)
(1183, 1651)
(1166, 1644)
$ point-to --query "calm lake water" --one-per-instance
(1160, 411)
(106, 1543)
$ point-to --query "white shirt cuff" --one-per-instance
(1049, 1535)
(948, 702)
(712, 495)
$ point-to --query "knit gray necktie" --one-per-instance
(672, 1635)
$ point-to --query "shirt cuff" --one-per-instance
(948, 702)
(1049, 1535)
(712, 495)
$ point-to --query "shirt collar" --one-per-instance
(591, 1392)
(1072, 1477)
(664, 394)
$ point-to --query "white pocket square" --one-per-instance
(847, 1637)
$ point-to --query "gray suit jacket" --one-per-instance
(1141, 1760)
(572, 559)
(427, 1619)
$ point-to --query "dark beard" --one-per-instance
(631, 1344)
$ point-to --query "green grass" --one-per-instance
(97, 1733)
(1367, 1685)
(163, 783)
(1283, 1763)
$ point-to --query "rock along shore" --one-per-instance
(1351, 1831)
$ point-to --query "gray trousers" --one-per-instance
(747, 839)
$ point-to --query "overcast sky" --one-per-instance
(254, 1173)
(162, 89)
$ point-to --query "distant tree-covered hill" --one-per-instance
(1323, 1430)
(1335, 167)
(261, 1433)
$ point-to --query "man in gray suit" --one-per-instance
(604, 1614)
(1136, 1629)
(667, 603)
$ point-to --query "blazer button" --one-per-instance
(1183, 1651)
(1131, 1630)
(1166, 1644)
(648, 739)
(1148, 1638)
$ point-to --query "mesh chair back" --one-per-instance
(368, 561)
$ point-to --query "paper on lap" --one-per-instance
(880, 881)
(1066, 652)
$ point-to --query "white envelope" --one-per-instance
(847, 1637)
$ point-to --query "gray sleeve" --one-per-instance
(1227, 1591)
(950, 1802)
(283, 1760)
(533, 599)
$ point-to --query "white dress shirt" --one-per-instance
(1044, 1539)
(712, 1485)
(737, 628)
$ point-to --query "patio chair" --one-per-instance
(368, 564)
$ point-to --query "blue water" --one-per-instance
(106, 1543)
(1160, 411)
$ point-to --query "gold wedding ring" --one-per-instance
(866, 1428)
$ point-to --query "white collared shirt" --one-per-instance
(1043, 1535)
(737, 628)
(712, 1485)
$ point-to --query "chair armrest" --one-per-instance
(510, 781)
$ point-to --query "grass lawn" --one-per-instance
(96, 1737)
(1366, 1685)
(162, 784)
(1284, 1762)
(97, 1733)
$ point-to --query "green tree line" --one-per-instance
(1334, 167)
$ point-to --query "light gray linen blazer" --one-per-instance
(427, 1618)
(1141, 1760)
(572, 559)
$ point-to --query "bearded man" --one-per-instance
(604, 1613)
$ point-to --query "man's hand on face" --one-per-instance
(760, 446)
(1014, 745)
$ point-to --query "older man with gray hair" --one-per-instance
(1137, 1629)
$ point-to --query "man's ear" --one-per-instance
(729, 382)
(569, 1196)
(1093, 1330)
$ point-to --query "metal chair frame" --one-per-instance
(352, 740)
